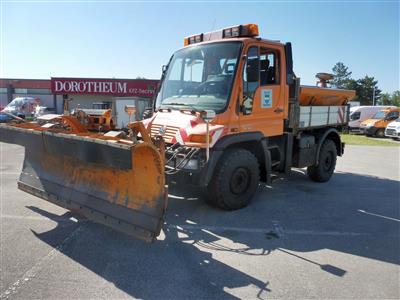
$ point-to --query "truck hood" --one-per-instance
(179, 126)
(369, 122)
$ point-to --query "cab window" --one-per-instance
(269, 66)
(355, 116)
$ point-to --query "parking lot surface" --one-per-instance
(297, 239)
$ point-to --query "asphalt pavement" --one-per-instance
(297, 239)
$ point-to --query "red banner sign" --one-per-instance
(113, 87)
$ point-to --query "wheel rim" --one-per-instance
(380, 133)
(327, 161)
(240, 181)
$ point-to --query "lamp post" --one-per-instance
(373, 96)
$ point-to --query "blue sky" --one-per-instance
(129, 39)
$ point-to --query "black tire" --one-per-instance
(147, 113)
(323, 171)
(235, 180)
(380, 133)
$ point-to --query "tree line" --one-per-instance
(366, 88)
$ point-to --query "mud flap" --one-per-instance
(121, 186)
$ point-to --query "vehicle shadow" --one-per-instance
(166, 269)
(354, 214)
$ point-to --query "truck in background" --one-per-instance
(376, 125)
(358, 114)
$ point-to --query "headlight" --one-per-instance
(199, 138)
(369, 125)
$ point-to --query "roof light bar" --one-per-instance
(248, 30)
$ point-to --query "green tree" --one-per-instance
(385, 99)
(365, 89)
(396, 98)
(354, 85)
(341, 75)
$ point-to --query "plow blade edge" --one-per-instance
(121, 186)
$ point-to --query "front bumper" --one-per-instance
(392, 132)
(355, 129)
(368, 130)
(197, 171)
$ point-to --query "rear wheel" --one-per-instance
(323, 171)
(235, 180)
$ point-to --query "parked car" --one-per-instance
(377, 124)
(22, 107)
(358, 114)
(393, 129)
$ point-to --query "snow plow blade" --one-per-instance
(116, 184)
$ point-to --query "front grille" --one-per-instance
(169, 134)
(390, 132)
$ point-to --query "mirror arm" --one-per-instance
(242, 108)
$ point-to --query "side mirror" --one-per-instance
(242, 108)
(164, 69)
(208, 115)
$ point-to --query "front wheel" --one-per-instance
(380, 133)
(235, 180)
(323, 170)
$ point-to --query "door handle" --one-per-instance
(278, 110)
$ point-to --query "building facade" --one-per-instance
(58, 93)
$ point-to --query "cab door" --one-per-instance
(263, 91)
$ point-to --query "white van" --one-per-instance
(362, 113)
(393, 129)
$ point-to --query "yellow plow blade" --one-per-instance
(121, 186)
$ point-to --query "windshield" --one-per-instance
(200, 77)
(379, 115)
(23, 105)
(17, 102)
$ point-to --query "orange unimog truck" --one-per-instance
(229, 113)
(232, 113)
(377, 124)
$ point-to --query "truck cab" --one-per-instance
(241, 79)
